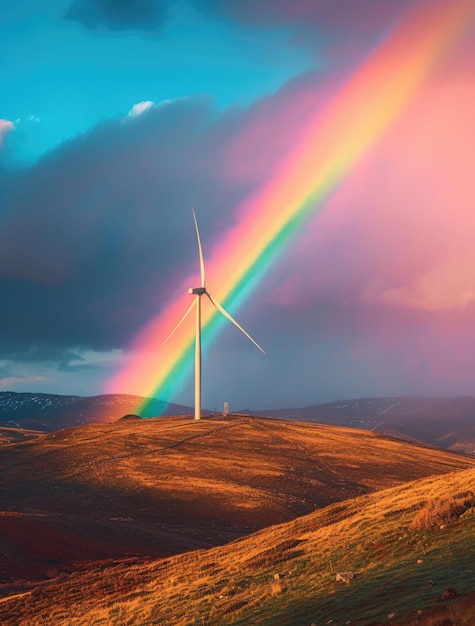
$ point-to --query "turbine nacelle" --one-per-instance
(197, 291)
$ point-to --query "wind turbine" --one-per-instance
(198, 292)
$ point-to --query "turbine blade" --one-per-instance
(188, 311)
(200, 250)
(231, 319)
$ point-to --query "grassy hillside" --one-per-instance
(164, 486)
(444, 422)
(16, 435)
(402, 562)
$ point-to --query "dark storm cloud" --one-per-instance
(98, 237)
(343, 14)
(119, 15)
(323, 17)
(95, 235)
(332, 28)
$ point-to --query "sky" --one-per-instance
(327, 147)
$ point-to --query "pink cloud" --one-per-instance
(5, 127)
(333, 29)
(387, 264)
(273, 125)
(344, 15)
(439, 290)
(404, 219)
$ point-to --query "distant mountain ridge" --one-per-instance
(445, 422)
(50, 412)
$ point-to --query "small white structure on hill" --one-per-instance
(226, 409)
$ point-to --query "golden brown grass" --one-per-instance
(398, 570)
(17, 435)
(159, 487)
(441, 511)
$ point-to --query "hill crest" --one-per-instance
(168, 485)
(444, 422)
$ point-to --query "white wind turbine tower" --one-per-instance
(198, 292)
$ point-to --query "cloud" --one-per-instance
(426, 294)
(316, 23)
(431, 301)
(14, 381)
(97, 238)
(140, 107)
(119, 15)
(5, 127)
(29, 118)
(324, 25)
(95, 234)
(343, 14)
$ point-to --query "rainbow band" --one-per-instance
(337, 140)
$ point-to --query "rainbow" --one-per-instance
(334, 143)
